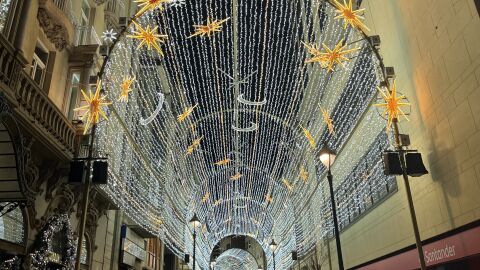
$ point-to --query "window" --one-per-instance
(4, 8)
(12, 228)
(39, 63)
(84, 23)
(71, 94)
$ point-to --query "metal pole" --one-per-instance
(194, 243)
(86, 193)
(411, 207)
(335, 222)
(274, 260)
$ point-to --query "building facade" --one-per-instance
(49, 52)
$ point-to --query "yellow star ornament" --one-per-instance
(335, 56)
(125, 88)
(148, 37)
(309, 137)
(186, 113)
(392, 104)
(194, 145)
(350, 16)
(328, 121)
(209, 29)
(147, 5)
(94, 110)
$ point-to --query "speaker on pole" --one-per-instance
(187, 258)
(76, 171)
(100, 172)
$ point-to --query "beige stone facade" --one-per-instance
(435, 49)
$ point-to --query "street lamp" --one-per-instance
(273, 247)
(327, 157)
(195, 222)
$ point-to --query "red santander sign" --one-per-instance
(451, 248)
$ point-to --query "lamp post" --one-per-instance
(273, 247)
(413, 217)
(327, 157)
(195, 222)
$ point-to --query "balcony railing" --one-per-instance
(67, 8)
(86, 35)
(31, 103)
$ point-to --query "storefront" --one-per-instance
(457, 249)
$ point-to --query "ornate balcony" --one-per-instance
(31, 105)
(58, 21)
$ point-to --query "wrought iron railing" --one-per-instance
(32, 103)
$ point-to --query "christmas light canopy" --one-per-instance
(227, 127)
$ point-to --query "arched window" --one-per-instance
(4, 9)
(12, 227)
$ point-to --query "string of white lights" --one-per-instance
(235, 160)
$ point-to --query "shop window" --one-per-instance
(12, 227)
(4, 10)
(71, 94)
(39, 64)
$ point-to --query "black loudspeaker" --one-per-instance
(187, 258)
(415, 165)
(391, 163)
(76, 171)
(294, 256)
(100, 172)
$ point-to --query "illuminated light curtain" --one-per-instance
(244, 94)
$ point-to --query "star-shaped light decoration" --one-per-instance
(217, 202)
(125, 88)
(309, 137)
(350, 16)
(328, 121)
(209, 29)
(147, 5)
(268, 198)
(236, 176)
(109, 36)
(223, 162)
(303, 174)
(94, 109)
(392, 105)
(205, 197)
(317, 55)
(186, 113)
(287, 184)
(337, 55)
(194, 145)
(148, 37)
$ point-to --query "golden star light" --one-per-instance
(328, 121)
(94, 110)
(268, 198)
(148, 37)
(147, 5)
(236, 176)
(350, 16)
(287, 184)
(392, 105)
(223, 162)
(186, 113)
(317, 56)
(209, 29)
(205, 197)
(303, 174)
(336, 56)
(194, 145)
(125, 88)
(309, 137)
